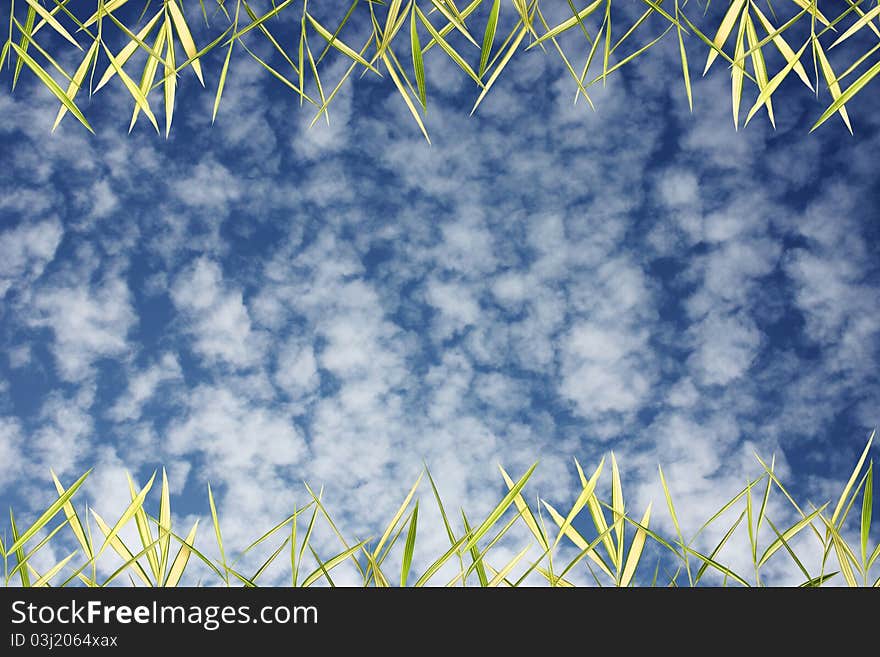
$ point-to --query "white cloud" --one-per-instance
(26, 250)
(727, 346)
(89, 323)
(142, 386)
(217, 316)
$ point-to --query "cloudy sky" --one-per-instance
(256, 304)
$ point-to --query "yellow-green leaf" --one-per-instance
(418, 63)
(47, 80)
(569, 23)
(125, 54)
(635, 549)
(180, 561)
(53, 22)
(186, 40)
(724, 30)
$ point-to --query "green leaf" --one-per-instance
(129, 49)
(499, 510)
(569, 23)
(784, 49)
(724, 30)
(186, 40)
(418, 64)
(73, 519)
(738, 72)
(788, 534)
(405, 95)
(339, 45)
(49, 574)
(504, 60)
(840, 99)
(53, 22)
(758, 64)
(325, 567)
(773, 84)
(585, 546)
(216, 522)
(684, 68)
(47, 80)
(463, 65)
(635, 550)
(410, 546)
(489, 36)
(867, 509)
(121, 549)
(501, 574)
(49, 513)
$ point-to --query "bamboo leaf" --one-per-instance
(489, 36)
(784, 49)
(580, 541)
(635, 550)
(49, 513)
(738, 72)
(127, 515)
(840, 99)
(867, 509)
(325, 567)
(463, 65)
(339, 45)
(128, 50)
(144, 531)
(121, 549)
(758, 64)
(410, 546)
(500, 67)
(52, 22)
(418, 64)
(526, 512)
(510, 565)
(186, 40)
(133, 89)
(684, 69)
(405, 95)
(568, 24)
(216, 522)
(773, 84)
(397, 516)
(788, 534)
(72, 519)
(149, 73)
(47, 80)
(724, 30)
(49, 574)
(499, 510)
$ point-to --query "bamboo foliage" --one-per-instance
(594, 540)
(149, 46)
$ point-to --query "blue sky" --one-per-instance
(256, 304)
